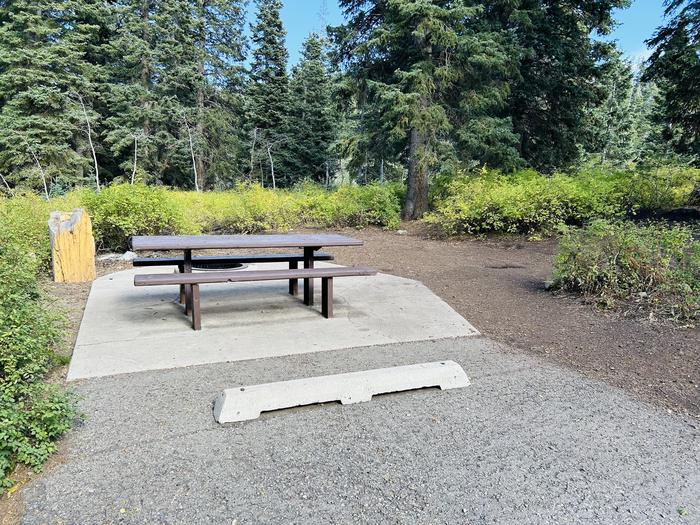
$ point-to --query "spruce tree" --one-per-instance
(675, 66)
(312, 116)
(131, 134)
(610, 120)
(177, 90)
(44, 70)
(221, 46)
(268, 92)
(436, 71)
(560, 64)
(178, 85)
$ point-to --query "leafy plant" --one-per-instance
(123, 210)
(527, 202)
(657, 266)
(32, 414)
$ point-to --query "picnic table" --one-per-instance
(310, 244)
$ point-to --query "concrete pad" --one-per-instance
(127, 329)
(248, 402)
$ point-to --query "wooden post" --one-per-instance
(293, 283)
(187, 267)
(309, 283)
(196, 311)
(72, 247)
(327, 297)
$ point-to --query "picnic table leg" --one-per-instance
(196, 312)
(293, 283)
(308, 283)
(327, 297)
(187, 266)
(181, 269)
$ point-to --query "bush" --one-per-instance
(254, 209)
(123, 210)
(32, 414)
(658, 266)
(357, 206)
(661, 188)
(526, 202)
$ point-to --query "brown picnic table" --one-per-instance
(309, 243)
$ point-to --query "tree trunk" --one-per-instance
(416, 204)
(200, 95)
(694, 199)
(194, 162)
(42, 173)
(146, 69)
(92, 146)
(272, 167)
(381, 171)
(252, 153)
(136, 156)
(5, 183)
(72, 247)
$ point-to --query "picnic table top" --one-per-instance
(201, 242)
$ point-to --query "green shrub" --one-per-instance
(123, 210)
(527, 202)
(524, 202)
(659, 189)
(656, 265)
(357, 206)
(32, 414)
(255, 209)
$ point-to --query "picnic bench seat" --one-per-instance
(194, 280)
(213, 262)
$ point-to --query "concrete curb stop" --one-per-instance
(248, 402)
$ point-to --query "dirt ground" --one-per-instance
(498, 286)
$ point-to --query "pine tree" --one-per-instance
(44, 72)
(130, 134)
(437, 73)
(610, 121)
(560, 64)
(675, 66)
(176, 89)
(268, 91)
(647, 127)
(221, 46)
(312, 116)
(178, 86)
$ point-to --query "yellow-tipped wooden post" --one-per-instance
(72, 247)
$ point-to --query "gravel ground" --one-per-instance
(527, 442)
(498, 286)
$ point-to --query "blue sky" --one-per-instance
(637, 23)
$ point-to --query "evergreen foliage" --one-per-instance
(169, 92)
(560, 63)
(312, 119)
(432, 71)
(675, 65)
(268, 94)
(43, 67)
